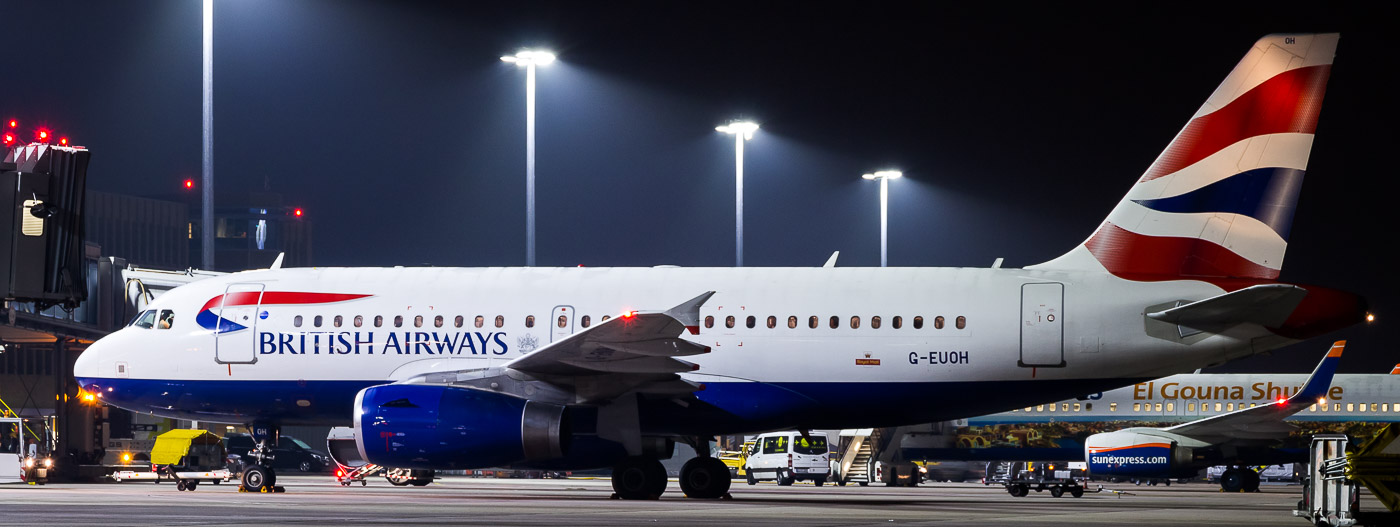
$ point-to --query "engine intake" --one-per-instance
(427, 426)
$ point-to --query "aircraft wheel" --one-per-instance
(1251, 481)
(639, 478)
(255, 477)
(1232, 480)
(1056, 492)
(705, 478)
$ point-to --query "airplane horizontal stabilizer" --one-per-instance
(1268, 305)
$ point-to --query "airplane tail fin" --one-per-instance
(1219, 201)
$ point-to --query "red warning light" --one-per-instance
(14, 123)
(43, 135)
(9, 139)
(1281, 400)
(63, 141)
(296, 212)
(189, 184)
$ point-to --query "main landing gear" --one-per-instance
(643, 478)
(1236, 479)
(639, 478)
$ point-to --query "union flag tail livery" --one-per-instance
(1219, 201)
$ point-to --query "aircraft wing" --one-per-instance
(636, 351)
(1265, 421)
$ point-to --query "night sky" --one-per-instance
(398, 129)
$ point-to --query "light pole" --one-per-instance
(529, 59)
(206, 216)
(884, 176)
(742, 131)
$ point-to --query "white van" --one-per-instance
(788, 457)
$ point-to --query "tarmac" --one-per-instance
(319, 500)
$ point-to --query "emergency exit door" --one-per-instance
(561, 323)
(1042, 325)
(235, 324)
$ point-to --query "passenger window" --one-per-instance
(418, 321)
(772, 322)
(530, 321)
(1217, 407)
(144, 320)
(835, 322)
(1064, 407)
(709, 321)
(919, 322)
(563, 321)
(1336, 407)
(792, 322)
(961, 322)
(897, 322)
(480, 321)
(296, 321)
(875, 322)
(1040, 408)
(459, 321)
(1190, 407)
(606, 317)
(500, 321)
(378, 320)
(316, 321)
(167, 319)
(729, 321)
(938, 322)
(398, 321)
(1076, 407)
(1158, 407)
(359, 320)
(1351, 407)
(1137, 407)
(855, 322)
(812, 322)
(586, 321)
(1113, 407)
(1229, 407)
(1088, 407)
(337, 321)
(750, 321)
(437, 321)
(1171, 407)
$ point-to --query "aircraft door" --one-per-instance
(561, 323)
(236, 336)
(1042, 325)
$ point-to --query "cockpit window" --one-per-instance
(146, 320)
(167, 319)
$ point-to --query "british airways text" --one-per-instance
(367, 342)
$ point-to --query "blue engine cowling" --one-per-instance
(1131, 453)
(445, 427)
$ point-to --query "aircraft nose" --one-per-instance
(86, 367)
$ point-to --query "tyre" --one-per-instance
(864, 483)
(255, 477)
(180, 485)
(1056, 492)
(1251, 481)
(304, 466)
(191, 486)
(1076, 491)
(819, 481)
(1232, 480)
(398, 477)
(705, 478)
(749, 475)
(639, 478)
(786, 479)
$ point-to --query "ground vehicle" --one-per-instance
(788, 457)
(20, 456)
(290, 453)
(185, 456)
(1020, 478)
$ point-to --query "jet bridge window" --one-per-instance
(144, 320)
(167, 319)
(875, 322)
(530, 321)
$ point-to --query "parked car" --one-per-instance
(787, 457)
(290, 453)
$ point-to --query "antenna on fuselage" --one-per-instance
(831, 262)
(277, 264)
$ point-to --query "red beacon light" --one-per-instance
(9, 139)
(1281, 400)
(14, 123)
(189, 184)
(297, 212)
(43, 135)
(63, 141)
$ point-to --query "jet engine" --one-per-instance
(447, 427)
(1137, 453)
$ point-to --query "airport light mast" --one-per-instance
(742, 131)
(206, 216)
(529, 59)
(884, 176)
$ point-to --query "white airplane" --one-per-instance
(582, 367)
